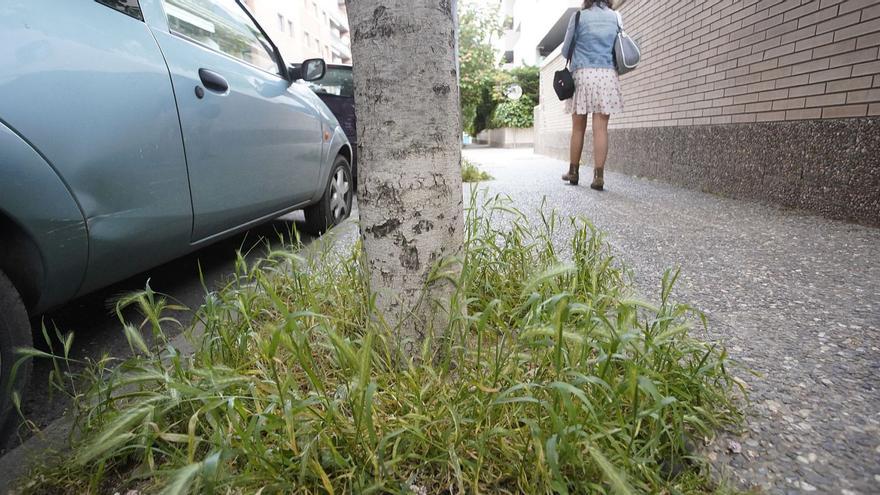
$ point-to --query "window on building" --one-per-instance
(281, 23)
(315, 6)
(221, 25)
(508, 57)
(290, 28)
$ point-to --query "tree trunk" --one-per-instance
(409, 157)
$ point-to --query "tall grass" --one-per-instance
(553, 378)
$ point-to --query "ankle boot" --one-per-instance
(572, 175)
(598, 179)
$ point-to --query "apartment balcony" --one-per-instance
(340, 48)
(338, 20)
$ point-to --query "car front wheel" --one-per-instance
(335, 205)
(15, 333)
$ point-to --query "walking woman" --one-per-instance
(597, 87)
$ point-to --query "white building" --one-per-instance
(529, 27)
(534, 28)
(306, 28)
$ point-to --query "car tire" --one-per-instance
(335, 204)
(15, 333)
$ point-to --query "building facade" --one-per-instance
(774, 100)
(531, 29)
(526, 23)
(305, 29)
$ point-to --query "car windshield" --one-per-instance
(336, 81)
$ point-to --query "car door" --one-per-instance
(336, 90)
(85, 84)
(253, 142)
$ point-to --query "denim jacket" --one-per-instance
(596, 33)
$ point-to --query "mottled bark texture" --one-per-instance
(409, 152)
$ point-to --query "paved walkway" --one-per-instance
(794, 297)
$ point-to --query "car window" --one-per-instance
(221, 25)
(128, 7)
(336, 81)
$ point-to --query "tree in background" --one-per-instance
(478, 25)
(529, 78)
(409, 152)
(514, 113)
(483, 103)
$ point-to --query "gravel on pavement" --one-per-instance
(794, 297)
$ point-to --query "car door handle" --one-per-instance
(213, 81)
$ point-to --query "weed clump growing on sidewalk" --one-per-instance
(555, 379)
(472, 173)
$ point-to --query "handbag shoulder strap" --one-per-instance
(577, 21)
(619, 21)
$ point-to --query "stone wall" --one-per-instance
(775, 100)
(507, 137)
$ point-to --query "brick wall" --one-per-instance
(741, 61)
(550, 117)
(799, 71)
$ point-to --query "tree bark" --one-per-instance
(404, 55)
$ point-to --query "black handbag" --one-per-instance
(563, 81)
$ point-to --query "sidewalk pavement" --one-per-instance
(794, 297)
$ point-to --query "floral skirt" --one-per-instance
(595, 91)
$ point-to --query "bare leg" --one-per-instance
(600, 139)
(578, 128)
(600, 149)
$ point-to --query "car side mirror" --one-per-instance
(311, 70)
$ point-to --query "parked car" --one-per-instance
(336, 90)
(135, 131)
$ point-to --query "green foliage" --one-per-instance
(482, 82)
(495, 110)
(514, 113)
(529, 78)
(485, 107)
(471, 173)
(478, 23)
(553, 378)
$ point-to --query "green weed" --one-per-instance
(553, 377)
(471, 173)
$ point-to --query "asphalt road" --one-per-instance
(97, 330)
